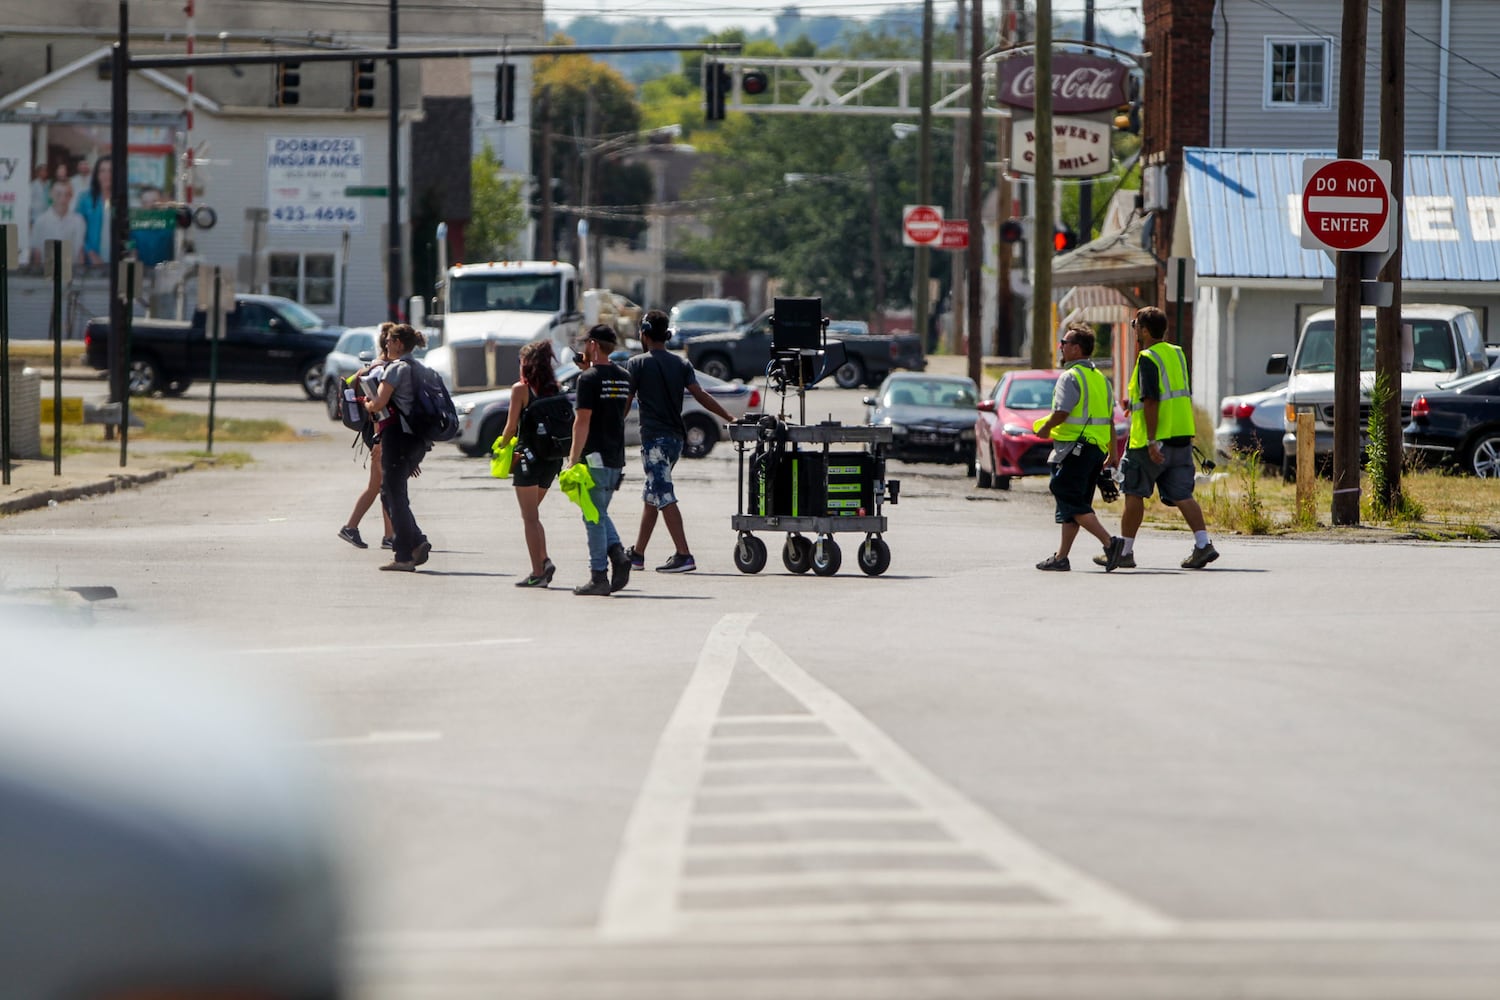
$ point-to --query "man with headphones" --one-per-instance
(660, 378)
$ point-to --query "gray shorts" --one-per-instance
(1172, 480)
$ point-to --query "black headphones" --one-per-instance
(647, 326)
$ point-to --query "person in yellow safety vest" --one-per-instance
(1159, 456)
(1081, 425)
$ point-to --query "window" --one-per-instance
(1297, 73)
(309, 278)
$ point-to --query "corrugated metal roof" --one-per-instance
(1244, 213)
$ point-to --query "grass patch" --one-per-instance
(163, 424)
(39, 352)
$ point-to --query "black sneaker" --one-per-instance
(533, 581)
(388, 543)
(549, 570)
(1201, 557)
(351, 535)
(637, 560)
(1127, 561)
(679, 563)
(420, 552)
(620, 566)
(1113, 553)
(598, 585)
(1053, 564)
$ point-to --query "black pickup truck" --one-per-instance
(744, 352)
(266, 339)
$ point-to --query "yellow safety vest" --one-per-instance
(1092, 416)
(1174, 416)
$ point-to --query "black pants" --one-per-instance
(400, 453)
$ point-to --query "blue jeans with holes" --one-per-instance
(602, 535)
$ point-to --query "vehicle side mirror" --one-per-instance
(275, 324)
(367, 356)
(985, 405)
(869, 401)
(1277, 365)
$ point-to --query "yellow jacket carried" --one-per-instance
(576, 481)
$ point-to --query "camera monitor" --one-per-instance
(797, 325)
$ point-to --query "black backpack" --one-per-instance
(546, 427)
(432, 417)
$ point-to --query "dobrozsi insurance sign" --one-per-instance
(1346, 205)
(305, 180)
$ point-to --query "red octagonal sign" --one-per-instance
(1346, 205)
(921, 225)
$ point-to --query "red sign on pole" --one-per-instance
(955, 235)
(921, 225)
(1346, 205)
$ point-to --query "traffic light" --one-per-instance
(754, 82)
(1064, 239)
(716, 86)
(1128, 118)
(505, 92)
(363, 90)
(288, 79)
(1011, 231)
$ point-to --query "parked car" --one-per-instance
(692, 317)
(1253, 422)
(482, 415)
(1005, 446)
(355, 349)
(1458, 424)
(931, 417)
(866, 358)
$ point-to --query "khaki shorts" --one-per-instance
(1172, 480)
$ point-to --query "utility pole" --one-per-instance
(1043, 216)
(959, 298)
(1006, 341)
(1346, 329)
(393, 179)
(920, 305)
(1388, 318)
(544, 249)
(974, 259)
(1086, 186)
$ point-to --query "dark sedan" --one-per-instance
(1458, 424)
(931, 417)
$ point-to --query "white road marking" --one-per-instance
(345, 647)
(765, 817)
(873, 786)
(874, 912)
(760, 881)
(793, 848)
(379, 738)
(754, 741)
(813, 763)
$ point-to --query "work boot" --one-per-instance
(620, 563)
(1201, 557)
(598, 585)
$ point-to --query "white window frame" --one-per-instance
(302, 279)
(1268, 101)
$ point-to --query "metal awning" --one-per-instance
(1116, 260)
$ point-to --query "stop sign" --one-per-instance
(1346, 205)
(921, 225)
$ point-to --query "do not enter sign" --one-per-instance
(921, 225)
(1346, 205)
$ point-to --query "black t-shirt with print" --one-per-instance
(604, 390)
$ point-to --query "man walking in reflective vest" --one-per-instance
(1159, 457)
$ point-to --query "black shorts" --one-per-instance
(531, 472)
(1074, 480)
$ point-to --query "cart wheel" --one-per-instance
(749, 554)
(796, 554)
(826, 557)
(874, 556)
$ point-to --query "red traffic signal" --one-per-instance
(1064, 239)
(754, 82)
(1011, 231)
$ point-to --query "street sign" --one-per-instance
(921, 225)
(1346, 205)
(369, 191)
(1182, 279)
(955, 235)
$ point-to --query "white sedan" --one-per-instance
(481, 415)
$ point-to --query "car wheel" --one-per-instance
(311, 378)
(333, 398)
(796, 554)
(971, 467)
(850, 374)
(702, 435)
(874, 556)
(177, 387)
(716, 365)
(982, 478)
(145, 375)
(749, 554)
(489, 433)
(1002, 482)
(826, 557)
(1484, 455)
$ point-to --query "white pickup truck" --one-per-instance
(487, 312)
(1438, 343)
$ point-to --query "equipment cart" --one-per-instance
(791, 480)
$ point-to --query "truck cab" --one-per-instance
(487, 312)
(1438, 343)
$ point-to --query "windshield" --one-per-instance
(706, 312)
(1030, 394)
(910, 392)
(1430, 349)
(515, 292)
(355, 342)
(301, 317)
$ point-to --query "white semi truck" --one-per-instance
(485, 313)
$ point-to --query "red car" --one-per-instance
(1005, 446)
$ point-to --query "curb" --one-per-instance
(115, 483)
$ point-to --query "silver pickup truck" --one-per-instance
(1438, 343)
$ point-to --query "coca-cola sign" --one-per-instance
(1079, 83)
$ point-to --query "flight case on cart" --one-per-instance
(808, 479)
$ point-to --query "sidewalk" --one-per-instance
(34, 484)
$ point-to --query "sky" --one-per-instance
(1119, 15)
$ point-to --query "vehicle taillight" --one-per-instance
(1419, 408)
(754, 399)
(1244, 411)
(1227, 410)
(895, 351)
(88, 338)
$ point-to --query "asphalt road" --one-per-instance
(1279, 777)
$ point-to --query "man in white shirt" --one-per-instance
(59, 222)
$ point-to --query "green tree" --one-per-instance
(497, 214)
